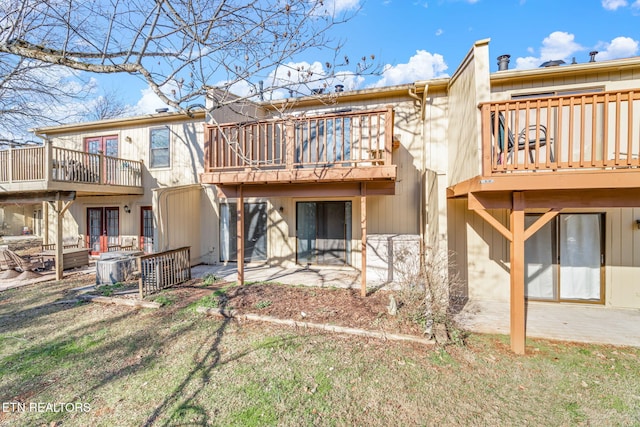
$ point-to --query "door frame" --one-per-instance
(556, 254)
(104, 236)
(348, 232)
(231, 206)
(141, 237)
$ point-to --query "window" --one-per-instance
(159, 154)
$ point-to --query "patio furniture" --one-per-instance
(20, 263)
(71, 258)
(6, 261)
(527, 138)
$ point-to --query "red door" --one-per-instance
(108, 145)
(103, 228)
(146, 229)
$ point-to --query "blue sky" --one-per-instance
(422, 39)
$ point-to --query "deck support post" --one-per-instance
(60, 207)
(517, 309)
(363, 226)
(240, 233)
(517, 235)
(45, 223)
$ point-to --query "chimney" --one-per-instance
(592, 55)
(339, 88)
(503, 62)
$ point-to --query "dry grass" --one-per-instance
(173, 366)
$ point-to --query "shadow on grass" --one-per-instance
(205, 364)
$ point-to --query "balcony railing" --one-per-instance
(349, 139)
(596, 131)
(48, 163)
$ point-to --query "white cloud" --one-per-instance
(439, 32)
(613, 4)
(620, 47)
(148, 102)
(636, 4)
(338, 6)
(299, 77)
(422, 66)
(558, 45)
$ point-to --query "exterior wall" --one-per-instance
(177, 212)
(186, 155)
(611, 80)
(468, 87)
(14, 218)
(482, 254)
(386, 215)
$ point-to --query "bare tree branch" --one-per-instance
(179, 47)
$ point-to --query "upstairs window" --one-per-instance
(159, 149)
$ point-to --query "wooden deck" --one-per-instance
(571, 142)
(48, 168)
(352, 146)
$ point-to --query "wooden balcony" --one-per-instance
(48, 168)
(571, 142)
(349, 147)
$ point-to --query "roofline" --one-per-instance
(119, 122)
(357, 95)
(564, 70)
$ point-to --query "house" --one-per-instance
(529, 178)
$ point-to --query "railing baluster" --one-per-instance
(630, 128)
(591, 135)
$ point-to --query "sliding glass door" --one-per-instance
(323, 232)
(565, 258)
(255, 232)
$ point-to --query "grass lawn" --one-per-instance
(173, 366)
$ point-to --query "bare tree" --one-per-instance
(106, 106)
(179, 47)
(29, 93)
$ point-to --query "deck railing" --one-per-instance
(562, 133)
(353, 138)
(162, 270)
(61, 164)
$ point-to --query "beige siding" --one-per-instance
(482, 254)
(622, 249)
(619, 80)
(186, 156)
(177, 216)
(13, 219)
(468, 87)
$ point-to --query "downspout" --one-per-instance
(423, 170)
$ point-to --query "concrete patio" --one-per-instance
(337, 277)
(564, 322)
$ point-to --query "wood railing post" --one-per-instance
(102, 179)
(485, 115)
(10, 166)
(48, 160)
(140, 280)
(388, 135)
(289, 131)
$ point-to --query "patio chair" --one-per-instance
(22, 264)
(526, 138)
(6, 261)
